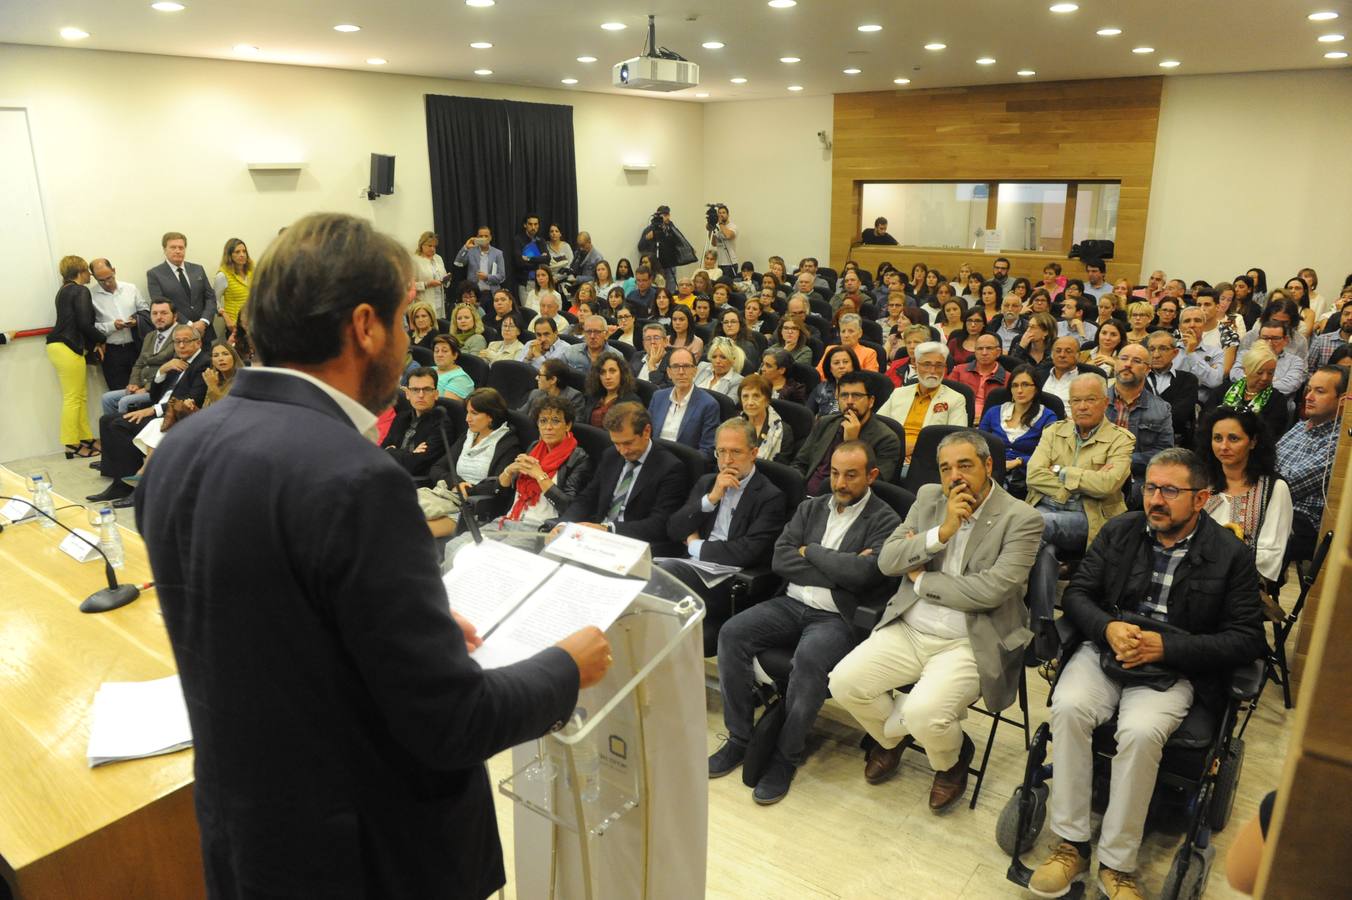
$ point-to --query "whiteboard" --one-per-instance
(25, 249)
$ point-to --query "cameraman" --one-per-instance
(723, 236)
(660, 239)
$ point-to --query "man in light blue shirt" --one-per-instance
(546, 344)
(1095, 286)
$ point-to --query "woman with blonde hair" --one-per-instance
(1254, 392)
(1139, 316)
(428, 272)
(71, 338)
(232, 281)
(468, 329)
(422, 325)
(721, 370)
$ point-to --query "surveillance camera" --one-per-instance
(822, 135)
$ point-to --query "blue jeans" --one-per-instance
(1062, 529)
(122, 403)
(819, 639)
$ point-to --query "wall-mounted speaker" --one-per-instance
(382, 176)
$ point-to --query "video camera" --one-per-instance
(711, 216)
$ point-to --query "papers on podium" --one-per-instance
(521, 603)
(613, 553)
(136, 719)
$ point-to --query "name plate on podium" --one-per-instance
(601, 550)
(82, 552)
(16, 511)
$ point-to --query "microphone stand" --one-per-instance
(115, 595)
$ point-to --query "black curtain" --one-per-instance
(494, 161)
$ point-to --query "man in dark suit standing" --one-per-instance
(1174, 386)
(637, 486)
(829, 554)
(414, 438)
(731, 518)
(178, 379)
(345, 759)
(186, 284)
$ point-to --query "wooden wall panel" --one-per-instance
(1070, 130)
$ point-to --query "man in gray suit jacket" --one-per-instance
(186, 284)
(955, 628)
(484, 265)
(827, 552)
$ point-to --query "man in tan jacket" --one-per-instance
(1075, 480)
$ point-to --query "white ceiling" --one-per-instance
(536, 42)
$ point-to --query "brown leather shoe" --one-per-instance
(951, 784)
(880, 763)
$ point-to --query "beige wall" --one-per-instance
(1252, 170)
(129, 146)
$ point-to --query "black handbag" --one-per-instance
(764, 738)
(1156, 676)
(1092, 250)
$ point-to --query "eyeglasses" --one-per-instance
(554, 422)
(852, 395)
(623, 316)
(187, 340)
(422, 390)
(1168, 490)
(932, 365)
(593, 331)
(680, 367)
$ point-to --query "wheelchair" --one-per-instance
(1198, 776)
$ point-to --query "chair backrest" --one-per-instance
(455, 418)
(1008, 363)
(694, 461)
(878, 349)
(514, 380)
(787, 479)
(527, 432)
(924, 456)
(798, 417)
(574, 379)
(880, 386)
(829, 274)
(593, 440)
(967, 395)
(705, 333)
(727, 407)
(421, 355)
(804, 375)
(645, 390)
(570, 338)
(894, 496)
(1002, 395)
(626, 349)
(443, 326)
(821, 308)
(475, 368)
(899, 430)
(873, 334)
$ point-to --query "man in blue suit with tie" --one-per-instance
(484, 265)
(681, 413)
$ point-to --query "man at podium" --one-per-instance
(340, 725)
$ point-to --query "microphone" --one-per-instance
(115, 595)
(466, 509)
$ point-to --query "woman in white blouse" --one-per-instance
(428, 271)
(1247, 492)
(543, 284)
(721, 370)
(560, 253)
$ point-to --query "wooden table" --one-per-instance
(122, 830)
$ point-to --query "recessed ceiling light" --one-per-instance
(1026, 73)
(712, 45)
(789, 59)
(1169, 64)
(986, 61)
(870, 28)
(935, 45)
(167, 6)
(479, 2)
(795, 87)
(1108, 32)
(737, 80)
(614, 26)
(1142, 49)
(1325, 16)
(1064, 7)
(1335, 54)
(483, 71)
(568, 81)
(481, 45)
(901, 81)
(782, 4)
(347, 28)
(586, 59)
(852, 71)
(74, 34)
(246, 49)
(376, 61)
(702, 94)
(1330, 38)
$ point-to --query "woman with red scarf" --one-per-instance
(549, 476)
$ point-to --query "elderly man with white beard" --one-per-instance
(928, 401)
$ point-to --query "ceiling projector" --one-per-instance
(658, 69)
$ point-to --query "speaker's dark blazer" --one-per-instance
(339, 725)
(658, 492)
(199, 304)
(756, 523)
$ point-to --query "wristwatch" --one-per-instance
(1056, 469)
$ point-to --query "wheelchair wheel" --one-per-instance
(1188, 875)
(1007, 826)
(1227, 785)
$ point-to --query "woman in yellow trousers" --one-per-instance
(73, 335)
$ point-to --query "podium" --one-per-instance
(616, 803)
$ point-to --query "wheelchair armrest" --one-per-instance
(752, 585)
(1247, 680)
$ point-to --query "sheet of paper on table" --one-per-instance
(136, 719)
(572, 598)
(488, 581)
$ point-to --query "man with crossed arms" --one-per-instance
(956, 626)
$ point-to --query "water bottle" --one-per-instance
(110, 540)
(42, 499)
(588, 769)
